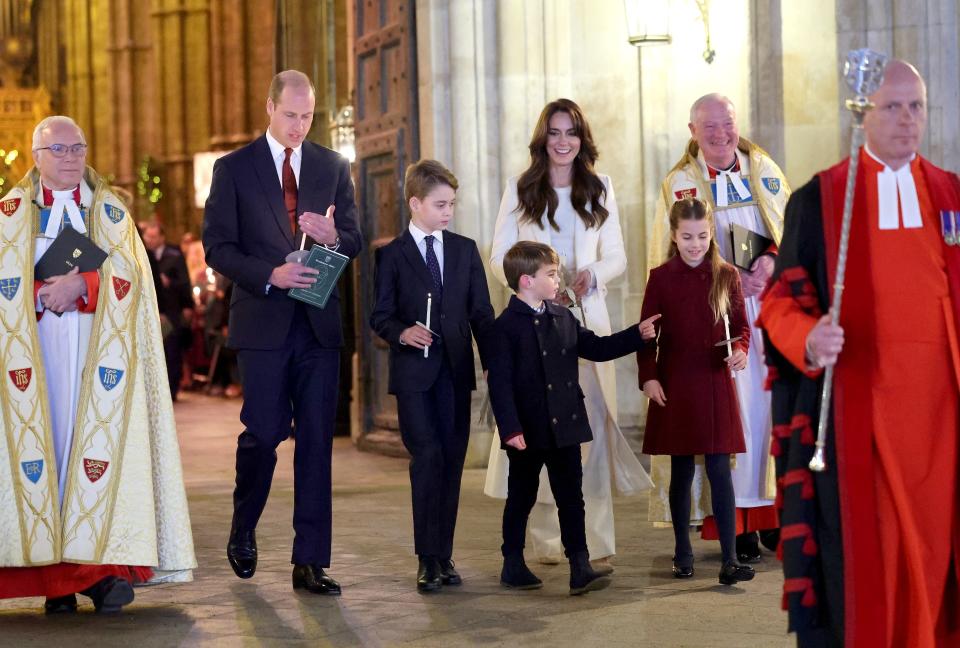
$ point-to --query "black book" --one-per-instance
(747, 245)
(69, 250)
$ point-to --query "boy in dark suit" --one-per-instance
(537, 402)
(431, 355)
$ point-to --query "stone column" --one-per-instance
(766, 100)
(134, 102)
(242, 62)
(88, 77)
(182, 29)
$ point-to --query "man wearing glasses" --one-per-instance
(86, 422)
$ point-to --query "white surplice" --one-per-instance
(63, 344)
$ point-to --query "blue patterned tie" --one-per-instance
(433, 265)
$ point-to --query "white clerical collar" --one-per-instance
(418, 234)
(279, 150)
(727, 175)
(63, 203)
(896, 193)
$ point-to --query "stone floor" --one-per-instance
(372, 560)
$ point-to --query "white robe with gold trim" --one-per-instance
(123, 496)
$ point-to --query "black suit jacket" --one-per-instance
(402, 283)
(246, 234)
(534, 380)
(172, 299)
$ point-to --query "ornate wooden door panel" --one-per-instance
(387, 141)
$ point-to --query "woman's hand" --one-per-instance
(581, 285)
(654, 391)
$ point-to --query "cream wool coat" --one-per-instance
(600, 250)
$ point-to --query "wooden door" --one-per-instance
(387, 141)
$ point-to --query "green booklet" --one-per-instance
(331, 265)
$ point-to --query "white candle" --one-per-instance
(426, 349)
(726, 330)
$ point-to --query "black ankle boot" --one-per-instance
(748, 547)
(583, 578)
(516, 574)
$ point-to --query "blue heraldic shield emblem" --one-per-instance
(32, 469)
(9, 287)
(772, 185)
(115, 214)
(110, 378)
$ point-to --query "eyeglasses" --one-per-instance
(61, 150)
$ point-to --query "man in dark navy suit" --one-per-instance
(174, 298)
(262, 198)
(432, 375)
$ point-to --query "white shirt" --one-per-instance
(418, 237)
(896, 194)
(278, 152)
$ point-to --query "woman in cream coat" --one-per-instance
(590, 244)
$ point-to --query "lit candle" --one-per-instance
(726, 330)
(426, 349)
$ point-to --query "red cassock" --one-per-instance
(896, 419)
(701, 414)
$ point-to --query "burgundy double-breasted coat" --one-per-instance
(701, 415)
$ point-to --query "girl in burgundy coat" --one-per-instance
(693, 407)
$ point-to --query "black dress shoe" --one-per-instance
(448, 574)
(732, 572)
(110, 594)
(242, 552)
(682, 571)
(314, 580)
(748, 547)
(429, 577)
(61, 604)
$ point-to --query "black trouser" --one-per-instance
(435, 428)
(722, 498)
(297, 383)
(173, 354)
(566, 477)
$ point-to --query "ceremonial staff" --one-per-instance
(863, 73)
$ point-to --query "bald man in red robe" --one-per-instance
(871, 546)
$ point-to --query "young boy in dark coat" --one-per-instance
(431, 292)
(537, 402)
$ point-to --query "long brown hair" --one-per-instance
(724, 274)
(534, 191)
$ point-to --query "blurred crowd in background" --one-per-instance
(194, 304)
